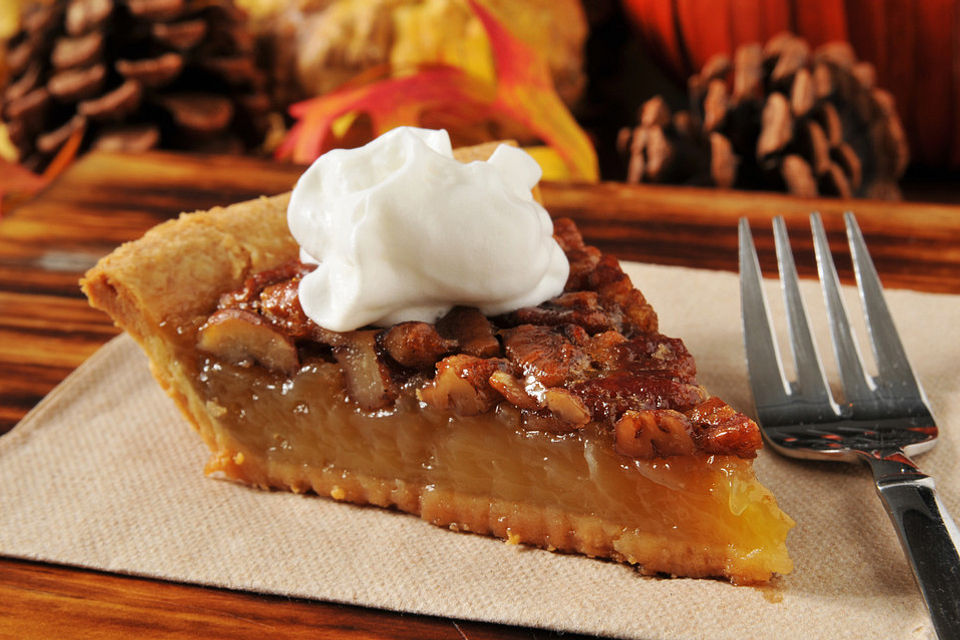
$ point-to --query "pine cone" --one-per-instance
(133, 75)
(776, 117)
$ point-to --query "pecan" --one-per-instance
(544, 353)
(462, 385)
(368, 380)
(722, 430)
(246, 296)
(242, 337)
(617, 293)
(613, 394)
(567, 407)
(471, 330)
(654, 433)
(521, 394)
(581, 308)
(415, 344)
(656, 352)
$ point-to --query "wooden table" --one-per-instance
(47, 330)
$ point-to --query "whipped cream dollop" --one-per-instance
(400, 231)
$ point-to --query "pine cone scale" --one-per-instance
(113, 105)
(181, 36)
(83, 16)
(151, 72)
(77, 51)
(132, 74)
(779, 117)
(77, 84)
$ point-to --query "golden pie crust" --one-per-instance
(693, 511)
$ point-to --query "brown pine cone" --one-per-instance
(133, 75)
(776, 117)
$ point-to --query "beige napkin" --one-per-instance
(105, 473)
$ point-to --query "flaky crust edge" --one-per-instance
(169, 280)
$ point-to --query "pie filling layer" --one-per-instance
(703, 515)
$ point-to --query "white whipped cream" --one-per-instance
(400, 230)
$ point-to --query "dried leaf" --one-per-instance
(523, 96)
(389, 103)
(525, 92)
(20, 184)
(17, 185)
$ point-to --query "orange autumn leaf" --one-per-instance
(525, 92)
(523, 95)
(19, 184)
(389, 103)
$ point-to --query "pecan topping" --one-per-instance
(367, 378)
(242, 337)
(415, 344)
(653, 434)
(545, 353)
(590, 358)
(471, 330)
(462, 385)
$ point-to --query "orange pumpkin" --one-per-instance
(915, 47)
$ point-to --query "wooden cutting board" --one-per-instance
(47, 330)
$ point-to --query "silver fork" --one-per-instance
(880, 420)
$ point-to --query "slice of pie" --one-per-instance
(574, 425)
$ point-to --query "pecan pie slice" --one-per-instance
(574, 425)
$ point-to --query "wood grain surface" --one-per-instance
(47, 330)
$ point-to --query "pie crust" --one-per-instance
(693, 511)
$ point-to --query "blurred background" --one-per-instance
(845, 98)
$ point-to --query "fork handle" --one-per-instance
(928, 535)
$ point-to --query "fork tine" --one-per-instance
(894, 372)
(770, 387)
(811, 381)
(857, 387)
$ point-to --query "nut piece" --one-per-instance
(462, 385)
(367, 379)
(472, 331)
(656, 433)
(724, 431)
(567, 407)
(523, 396)
(242, 337)
(415, 344)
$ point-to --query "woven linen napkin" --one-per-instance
(105, 473)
